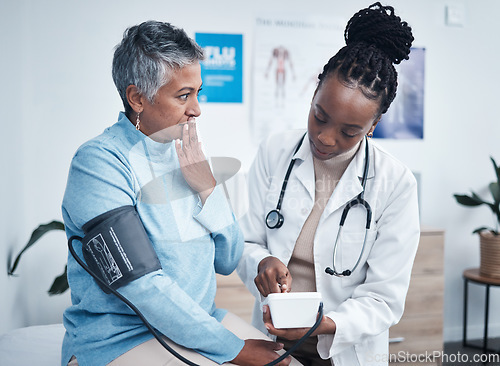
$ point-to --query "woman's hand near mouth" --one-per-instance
(194, 165)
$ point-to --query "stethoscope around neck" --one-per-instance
(275, 219)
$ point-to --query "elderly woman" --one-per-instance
(151, 160)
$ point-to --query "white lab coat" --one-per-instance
(365, 304)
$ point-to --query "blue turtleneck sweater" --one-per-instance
(193, 242)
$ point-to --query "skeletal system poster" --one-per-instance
(289, 53)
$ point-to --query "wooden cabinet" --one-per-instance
(233, 295)
(420, 331)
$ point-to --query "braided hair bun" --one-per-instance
(376, 39)
(378, 25)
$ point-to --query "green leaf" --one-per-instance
(491, 206)
(495, 191)
(483, 228)
(35, 236)
(497, 169)
(465, 200)
(479, 199)
(60, 283)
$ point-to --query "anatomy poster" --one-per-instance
(289, 53)
(222, 69)
(405, 117)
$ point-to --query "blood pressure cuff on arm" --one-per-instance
(117, 249)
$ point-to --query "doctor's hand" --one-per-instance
(258, 352)
(194, 165)
(273, 277)
(327, 326)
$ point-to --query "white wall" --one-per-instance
(58, 92)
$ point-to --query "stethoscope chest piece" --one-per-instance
(274, 219)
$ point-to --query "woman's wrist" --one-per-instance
(204, 195)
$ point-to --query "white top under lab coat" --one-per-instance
(365, 304)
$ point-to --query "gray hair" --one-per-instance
(148, 55)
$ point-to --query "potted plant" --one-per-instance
(489, 237)
(60, 283)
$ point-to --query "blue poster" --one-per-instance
(405, 117)
(222, 69)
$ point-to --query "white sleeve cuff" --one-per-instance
(216, 213)
(330, 345)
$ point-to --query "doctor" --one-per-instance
(300, 185)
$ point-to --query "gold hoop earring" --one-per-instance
(369, 135)
(138, 122)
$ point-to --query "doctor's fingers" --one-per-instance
(262, 286)
(267, 319)
(271, 274)
(267, 282)
(285, 282)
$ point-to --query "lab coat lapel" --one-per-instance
(349, 185)
(304, 167)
